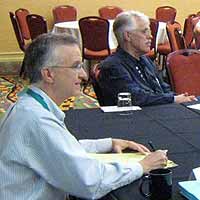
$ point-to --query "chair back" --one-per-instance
(188, 30)
(154, 29)
(37, 25)
(175, 36)
(64, 13)
(196, 31)
(166, 14)
(17, 31)
(109, 12)
(94, 32)
(184, 68)
(21, 14)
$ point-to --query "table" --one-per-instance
(72, 28)
(172, 126)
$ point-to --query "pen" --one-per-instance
(151, 145)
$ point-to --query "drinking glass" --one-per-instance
(124, 99)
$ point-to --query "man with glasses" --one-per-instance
(39, 157)
(129, 70)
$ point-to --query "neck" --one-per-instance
(50, 92)
(132, 51)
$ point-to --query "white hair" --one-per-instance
(126, 21)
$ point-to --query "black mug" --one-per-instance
(159, 184)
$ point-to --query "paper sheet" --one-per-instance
(190, 189)
(195, 106)
(196, 172)
(124, 158)
(119, 109)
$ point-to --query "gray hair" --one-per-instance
(127, 21)
(42, 53)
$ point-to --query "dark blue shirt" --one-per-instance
(121, 72)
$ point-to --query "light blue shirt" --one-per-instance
(41, 160)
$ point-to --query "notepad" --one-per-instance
(190, 189)
(119, 109)
(195, 106)
(124, 158)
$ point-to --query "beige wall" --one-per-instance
(8, 43)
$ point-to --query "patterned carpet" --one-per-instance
(11, 86)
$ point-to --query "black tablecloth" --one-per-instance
(172, 126)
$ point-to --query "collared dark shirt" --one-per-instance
(121, 72)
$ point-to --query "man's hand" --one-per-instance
(154, 160)
(119, 145)
(181, 98)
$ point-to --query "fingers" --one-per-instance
(143, 149)
(139, 147)
(154, 160)
(185, 97)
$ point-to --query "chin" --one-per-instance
(77, 93)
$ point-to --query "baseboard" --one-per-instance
(11, 56)
(10, 63)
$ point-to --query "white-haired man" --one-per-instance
(129, 70)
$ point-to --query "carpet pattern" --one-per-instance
(12, 86)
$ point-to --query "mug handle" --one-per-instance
(144, 178)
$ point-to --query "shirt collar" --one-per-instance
(51, 104)
(129, 56)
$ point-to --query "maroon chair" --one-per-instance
(21, 14)
(175, 37)
(188, 31)
(64, 13)
(196, 31)
(166, 14)
(154, 29)
(94, 32)
(109, 12)
(17, 31)
(37, 25)
(165, 49)
(19, 38)
(184, 68)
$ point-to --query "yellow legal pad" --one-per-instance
(124, 158)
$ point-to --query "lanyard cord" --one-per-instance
(38, 98)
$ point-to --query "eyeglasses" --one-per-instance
(78, 66)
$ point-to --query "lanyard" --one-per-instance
(37, 97)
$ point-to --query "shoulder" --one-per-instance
(113, 61)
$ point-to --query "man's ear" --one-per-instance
(127, 36)
(47, 75)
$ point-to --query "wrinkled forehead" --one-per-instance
(67, 54)
(140, 23)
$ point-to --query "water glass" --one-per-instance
(124, 99)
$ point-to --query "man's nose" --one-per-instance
(83, 75)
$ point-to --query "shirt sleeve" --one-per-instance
(97, 146)
(58, 158)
